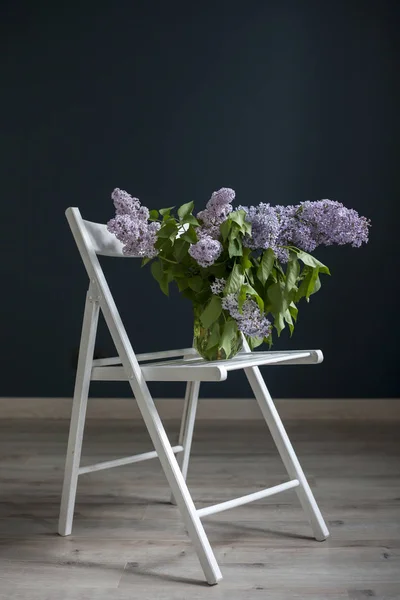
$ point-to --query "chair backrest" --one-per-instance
(104, 242)
(93, 239)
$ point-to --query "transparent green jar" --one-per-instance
(221, 341)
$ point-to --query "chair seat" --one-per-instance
(194, 368)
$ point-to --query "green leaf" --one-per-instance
(317, 286)
(212, 312)
(294, 311)
(291, 277)
(268, 340)
(275, 296)
(246, 262)
(238, 216)
(169, 230)
(157, 270)
(279, 323)
(153, 215)
(182, 284)
(248, 290)
(169, 272)
(235, 247)
(225, 229)
(191, 220)
(145, 260)
(254, 342)
(310, 261)
(166, 211)
(159, 275)
(246, 228)
(304, 285)
(292, 273)
(181, 248)
(288, 318)
(179, 271)
(164, 244)
(266, 264)
(228, 335)
(185, 210)
(241, 297)
(309, 285)
(189, 235)
(196, 283)
(234, 281)
(213, 340)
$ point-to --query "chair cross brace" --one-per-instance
(93, 239)
(216, 508)
(127, 460)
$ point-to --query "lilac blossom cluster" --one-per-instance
(217, 209)
(306, 226)
(250, 320)
(217, 287)
(131, 225)
(265, 229)
(206, 251)
(329, 222)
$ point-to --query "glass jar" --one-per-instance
(221, 341)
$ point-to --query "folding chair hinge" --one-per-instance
(93, 293)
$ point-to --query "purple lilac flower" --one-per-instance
(217, 287)
(217, 210)
(324, 222)
(333, 223)
(206, 251)
(131, 225)
(264, 226)
(250, 320)
(124, 203)
(306, 226)
(265, 229)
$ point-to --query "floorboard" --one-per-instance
(128, 541)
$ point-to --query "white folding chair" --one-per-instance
(93, 239)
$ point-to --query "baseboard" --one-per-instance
(386, 409)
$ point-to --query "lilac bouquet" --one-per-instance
(244, 269)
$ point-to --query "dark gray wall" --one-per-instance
(283, 101)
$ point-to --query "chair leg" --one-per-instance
(287, 453)
(77, 424)
(187, 427)
(176, 482)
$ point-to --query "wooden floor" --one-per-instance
(129, 543)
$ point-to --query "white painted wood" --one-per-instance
(274, 357)
(197, 369)
(163, 373)
(145, 401)
(276, 489)
(92, 238)
(105, 243)
(106, 362)
(187, 426)
(166, 354)
(115, 360)
(77, 425)
(245, 359)
(120, 462)
(286, 451)
(102, 241)
(186, 435)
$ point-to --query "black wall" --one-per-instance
(283, 101)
